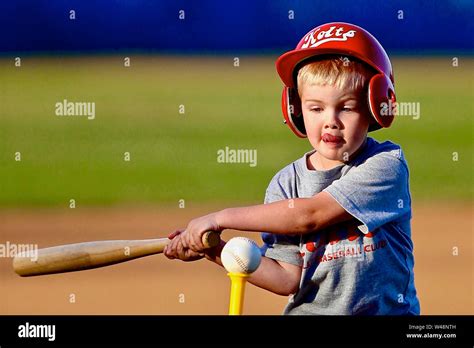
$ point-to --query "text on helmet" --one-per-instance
(332, 34)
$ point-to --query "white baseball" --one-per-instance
(241, 255)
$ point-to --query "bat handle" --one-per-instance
(211, 239)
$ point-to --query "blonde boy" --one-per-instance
(336, 222)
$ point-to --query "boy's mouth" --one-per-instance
(332, 139)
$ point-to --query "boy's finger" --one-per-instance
(196, 243)
(184, 240)
(174, 234)
(172, 247)
(181, 251)
(192, 244)
(168, 253)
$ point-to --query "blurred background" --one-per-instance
(173, 83)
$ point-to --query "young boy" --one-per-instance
(336, 222)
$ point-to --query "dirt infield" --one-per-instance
(156, 285)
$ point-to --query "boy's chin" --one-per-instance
(332, 154)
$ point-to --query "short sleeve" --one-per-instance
(376, 192)
(280, 247)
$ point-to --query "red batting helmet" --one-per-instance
(342, 39)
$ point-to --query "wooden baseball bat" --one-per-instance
(81, 256)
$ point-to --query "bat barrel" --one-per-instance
(81, 256)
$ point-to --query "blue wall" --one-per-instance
(226, 26)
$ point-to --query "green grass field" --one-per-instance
(173, 155)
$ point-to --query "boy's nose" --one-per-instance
(331, 120)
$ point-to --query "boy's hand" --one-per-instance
(176, 250)
(192, 236)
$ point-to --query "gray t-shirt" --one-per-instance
(361, 266)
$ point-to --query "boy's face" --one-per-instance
(336, 122)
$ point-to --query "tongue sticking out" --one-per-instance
(331, 138)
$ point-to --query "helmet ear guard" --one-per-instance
(381, 95)
(291, 107)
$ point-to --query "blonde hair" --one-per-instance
(338, 71)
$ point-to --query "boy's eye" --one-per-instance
(316, 109)
(347, 109)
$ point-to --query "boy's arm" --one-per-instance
(278, 277)
(289, 216)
